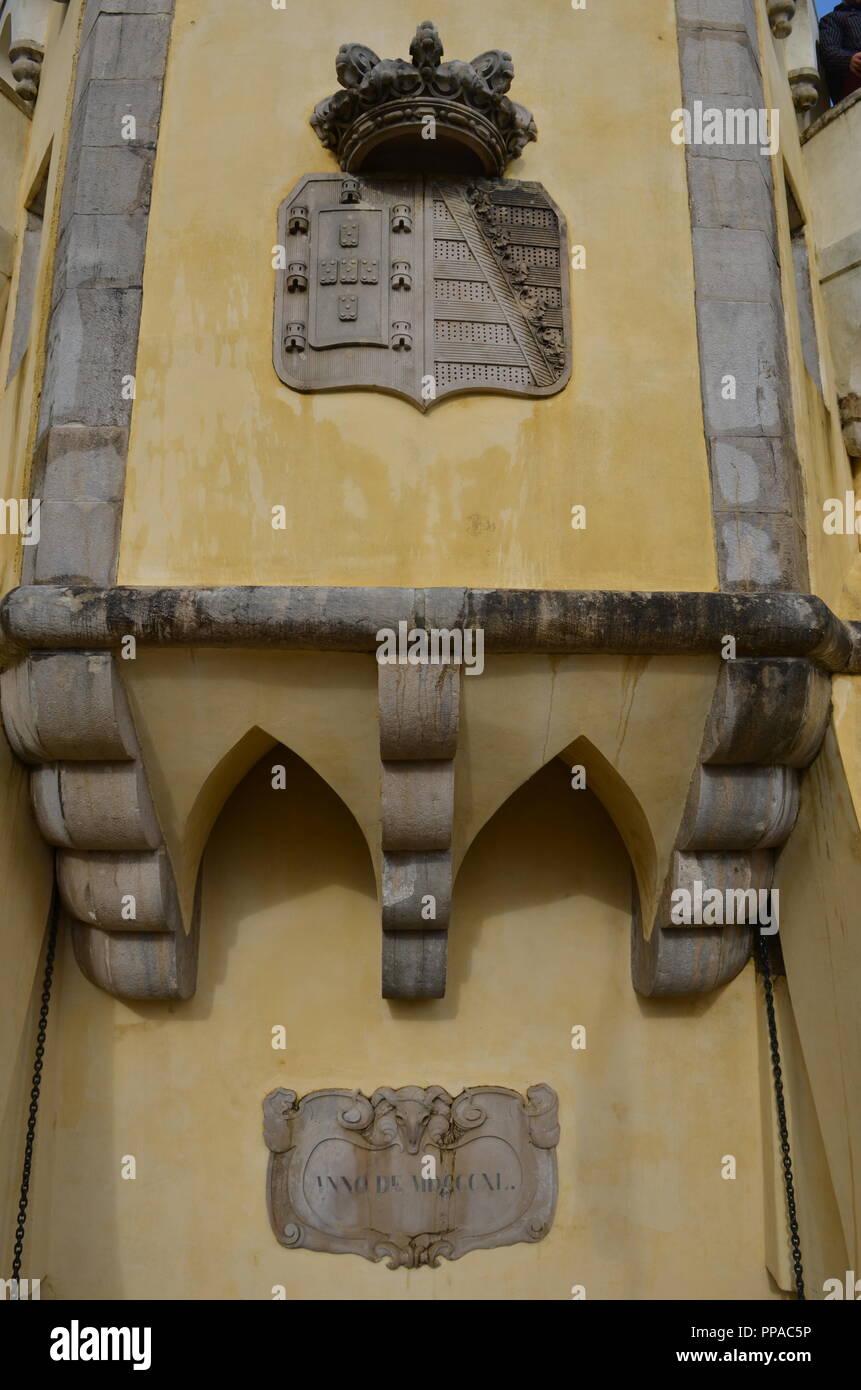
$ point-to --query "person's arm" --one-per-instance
(835, 55)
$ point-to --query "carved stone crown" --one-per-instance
(379, 121)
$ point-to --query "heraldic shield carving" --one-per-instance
(411, 1175)
(431, 282)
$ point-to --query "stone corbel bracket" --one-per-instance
(29, 27)
(780, 16)
(67, 716)
(850, 420)
(419, 714)
(806, 87)
(766, 724)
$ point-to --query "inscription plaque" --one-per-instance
(414, 1174)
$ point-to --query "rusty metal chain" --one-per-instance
(36, 1086)
(786, 1156)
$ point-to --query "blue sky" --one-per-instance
(825, 6)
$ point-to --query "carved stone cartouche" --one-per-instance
(350, 1173)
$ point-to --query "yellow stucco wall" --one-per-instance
(477, 493)
(827, 156)
(837, 218)
(819, 878)
(14, 135)
(290, 936)
(480, 491)
(46, 140)
(818, 870)
(204, 717)
(25, 876)
(26, 864)
(823, 463)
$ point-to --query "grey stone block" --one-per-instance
(105, 103)
(731, 263)
(95, 9)
(95, 323)
(139, 965)
(124, 46)
(444, 608)
(92, 342)
(417, 801)
(79, 542)
(760, 550)
(92, 395)
(95, 806)
(95, 887)
(720, 870)
(739, 808)
(414, 964)
(111, 180)
(745, 340)
(419, 711)
(80, 461)
(722, 63)
(687, 960)
(751, 474)
(101, 249)
(719, 14)
(730, 193)
(767, 712)
(137, 6)
(731, 152)
(841, 255)
(92, 10)
(788, 467)
(100, 7)
(410, 882)
(73, 162)
(60, 706)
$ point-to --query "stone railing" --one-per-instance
(795, 24)
(24, 29)
(780, 16)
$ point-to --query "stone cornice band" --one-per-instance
(555, 621)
